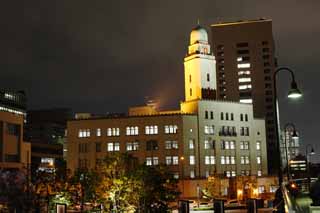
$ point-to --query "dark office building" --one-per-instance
(245, 64)
(45, 130)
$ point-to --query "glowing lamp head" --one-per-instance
(294, 134)
(312, 151)
(294, 92)
(182, 158)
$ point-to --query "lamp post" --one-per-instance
(312, 152)
(182, 173)
(293, 93)
(293, 136)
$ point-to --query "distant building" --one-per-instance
(15, 154)
(298, 167)
(13, 101)
(204, 138)
(245, 55)
(45, 130)
(291, 144)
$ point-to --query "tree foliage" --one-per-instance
(159, 188)
(118, 185)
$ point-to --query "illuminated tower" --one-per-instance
(199, 67)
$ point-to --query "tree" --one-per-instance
(118, 186)
(159, 188)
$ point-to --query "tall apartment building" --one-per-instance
(15, 154)
(245, 65)
(205, 137)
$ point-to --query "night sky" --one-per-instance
(103, 56)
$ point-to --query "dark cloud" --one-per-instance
(103, 56)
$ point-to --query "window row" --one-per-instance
(130, 146)
(130, 130)
(169, 144)
(228, 160)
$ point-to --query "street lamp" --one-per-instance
(294, 93)
(312, 152)
(294, 135)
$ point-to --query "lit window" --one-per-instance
(209, 130)
(228, 173)
(168, 160)
(116, 146)
(232, 144)
(151, 130)
(84, 133)
(155, 160)
(113, 132)
(247, 161)
(245, 86)
(98, 132)
(170, 129)
(209, 160)
(258, 160)
(242, 72)
(191, 144)
(192, 160)
(171, 144)
(227, 159)
(192, 175)
(233, 173)
(232, 160)
(132, 130)
(239, 59)
(245, 65)
(110, 147)
(246, 101)
(223, 160)
(148, 161)
(175, 160)
(243, 80)
(132, 146)
(258, 145)
(244, 145)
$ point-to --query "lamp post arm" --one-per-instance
(284, 68)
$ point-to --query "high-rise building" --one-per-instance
(245, 65)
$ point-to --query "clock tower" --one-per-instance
(199, 68)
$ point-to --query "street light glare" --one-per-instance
(294, 134)
(294, 92)
(312, 152)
